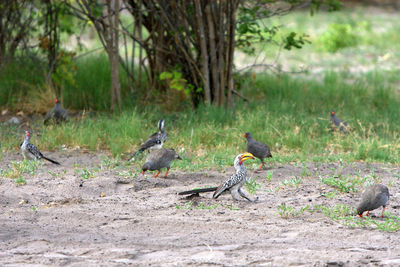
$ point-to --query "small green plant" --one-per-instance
(202, 206)
(269, 175)
(231, 207)
(295, 182)
(86, 174)
(187, 206)
(252, 186)
(17, 170)
(306, 171)
(20, 181)
(108, 163)
(330, 195)
(290, 212)
(57, 174)
(127, 174)
(343, 184)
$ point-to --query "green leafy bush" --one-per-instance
(338, 36)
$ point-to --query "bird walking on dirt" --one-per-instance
(155, 141)
(338, 123)
(258, 149)
(372, 198)
(234, 184)
(57, 113)
(159, 159)
(30, 151)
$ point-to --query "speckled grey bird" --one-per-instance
(30, 151)
(234, 184)
(338, 123)
(57, 113)
(159, 159)
(372, 198)
(155, 141)
(258, 149)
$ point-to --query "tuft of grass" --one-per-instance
(198, 206)
(344, 184)
(290, 212)
(86, 173)
(18, 168)
(346, 215)
(268, 177)
(20, 180)
(251, 185)
(295, 182)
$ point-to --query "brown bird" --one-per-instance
(159, 159)
(57, 114)
(373, 197)
(338, 123)
(258, 149)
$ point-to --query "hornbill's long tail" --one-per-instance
(196, 191)
(52, 161)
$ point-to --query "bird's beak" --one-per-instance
(179, 157)
(244, 135)
(247, 156)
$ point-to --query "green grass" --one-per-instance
(347, 216)
(291, 115)
(344, 184)
(288, 112)
(290, 212)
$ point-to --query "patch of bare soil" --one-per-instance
(60, 219)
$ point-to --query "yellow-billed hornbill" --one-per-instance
(30, 151)
(374, 196)
(159, 159)
(155, 141)
(234, 184)
(258, 149)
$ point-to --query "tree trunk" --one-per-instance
(112, 34)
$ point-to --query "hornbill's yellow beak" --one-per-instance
(247, 156)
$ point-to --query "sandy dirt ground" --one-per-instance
(60, 219)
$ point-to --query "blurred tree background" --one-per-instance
(156, 51)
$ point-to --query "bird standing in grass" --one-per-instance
(373, 197)
(57, 114)
(258, 149)
(234, 184)
(159, 159)
(29, 151)
(155, 141)
(338, 123)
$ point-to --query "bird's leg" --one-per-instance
(143, 173)
(242, 193)
(367, 214)
(234, 193)
(383, 210)
(262, 165)
(155, 176)
(166, 173)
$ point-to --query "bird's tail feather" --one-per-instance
(220, 189)
(195, 191)
(137, 153)
(52, 161)
(161, 125)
